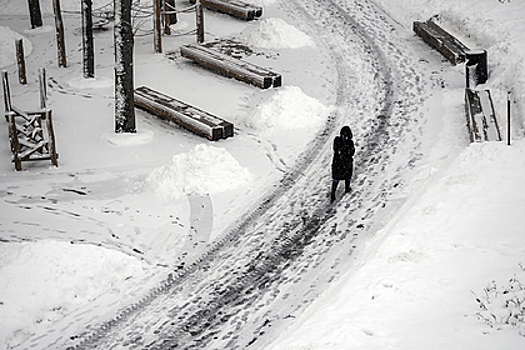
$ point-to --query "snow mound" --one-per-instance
(43, 281)
(205, 170)
(288, 109)
(260, 2)
(7, 46)
(274, 33)
(82, 83)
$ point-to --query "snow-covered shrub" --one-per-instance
(503, 305)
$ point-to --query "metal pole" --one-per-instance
(508, 118)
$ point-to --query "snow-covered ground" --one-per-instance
(117, 213)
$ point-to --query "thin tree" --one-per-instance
(157, 33)
(60, 37)
(199, 17)
(35, 15)
(88, 54)
(124, 101)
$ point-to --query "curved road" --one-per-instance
(278, 258)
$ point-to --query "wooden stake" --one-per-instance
(35, 15)
(88, 54)
(200, 21)
(21, 61)
(59, 31)
(42, 80)
(7, 93)
(157, 35)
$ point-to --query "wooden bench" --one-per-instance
(450, 47)
(481, 118)
(231, 67)
(234, 8)
(191, 118)
(31, 134)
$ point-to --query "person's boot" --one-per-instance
(332, 193)
(347, 186)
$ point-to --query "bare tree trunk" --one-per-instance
(157, 35)
(59, 29)
(21, 61)
(34, 13)
(200, 21)
(124, 101)
(88, 54)
(42, 82)
(170, 17)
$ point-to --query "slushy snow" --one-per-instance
(204, 170)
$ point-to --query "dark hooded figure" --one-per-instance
(343, 161)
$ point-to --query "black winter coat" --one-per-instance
(343, 161)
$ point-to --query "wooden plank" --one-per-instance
(450, 47)
(234, 8)
(190, 117)
(231, 67)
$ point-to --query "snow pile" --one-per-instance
(288, 109)
(43, 281)
(420, 272)
(260, 2)
(205, 170)
(274, 33)
(7, 46)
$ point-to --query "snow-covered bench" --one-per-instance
(481, 118)
(231, 67)
(191, 118)
(234, 8)
(450, 47)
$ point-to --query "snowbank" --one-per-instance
(274, 33)
(205, 170)
(288, 109)
(7, 46)
(421, 274)
(45, 280)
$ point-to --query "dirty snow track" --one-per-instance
(278, 257)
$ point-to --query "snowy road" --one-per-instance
(275, 260)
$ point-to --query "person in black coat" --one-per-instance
(343, 161)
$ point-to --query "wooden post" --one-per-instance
(59, 31)
(124, 100)
(171, 16)
(508, 118)
(199, 14)
(88, 54)
(7, 93)
(42, 80)
(21, 61)
(35, 14)
(51, 141)
(157, 35)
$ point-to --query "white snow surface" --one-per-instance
(459, 235)
(204, 170)
(288, 109)
(274, 33)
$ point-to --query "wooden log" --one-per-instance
(234, 8)
(189, 117)
(450, 47)
(231, 67)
